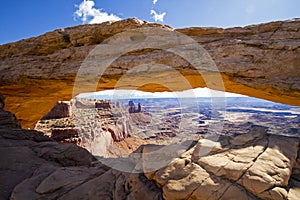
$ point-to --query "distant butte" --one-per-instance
(260, 60)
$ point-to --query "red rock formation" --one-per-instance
(140, 118)
(66, 135)
(117, 133)
(60, 110)
(131, 108)
(92, 120)
(102, 104)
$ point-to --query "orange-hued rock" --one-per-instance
(260, 60)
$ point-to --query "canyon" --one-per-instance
(247, 162)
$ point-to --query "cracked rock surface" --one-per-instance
(249, 166)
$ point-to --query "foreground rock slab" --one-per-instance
(250, 166)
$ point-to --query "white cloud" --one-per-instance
(88, 14)
(154, 1)
(156, 16)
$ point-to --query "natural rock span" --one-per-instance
(259, 60)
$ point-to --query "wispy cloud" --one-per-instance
(87, 13)
(157, 16)
(154, 1)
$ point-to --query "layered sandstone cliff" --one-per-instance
(93, 124)
(259, 60)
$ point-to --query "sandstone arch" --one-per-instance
(261, 61)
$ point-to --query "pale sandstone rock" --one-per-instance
(294, 191)
(180, 187)
(260, 167)
(155, 157)
(212, 188)
(233, 162)
(276, 193)
(273, 167)
(236, 192)
(172, 171)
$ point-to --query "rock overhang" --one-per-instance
(260, 60)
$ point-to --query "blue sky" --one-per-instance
(22, 19)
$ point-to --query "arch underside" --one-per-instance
(30, 106)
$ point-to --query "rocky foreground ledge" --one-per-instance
(255, 165)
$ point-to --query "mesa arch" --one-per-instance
(260, 60)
